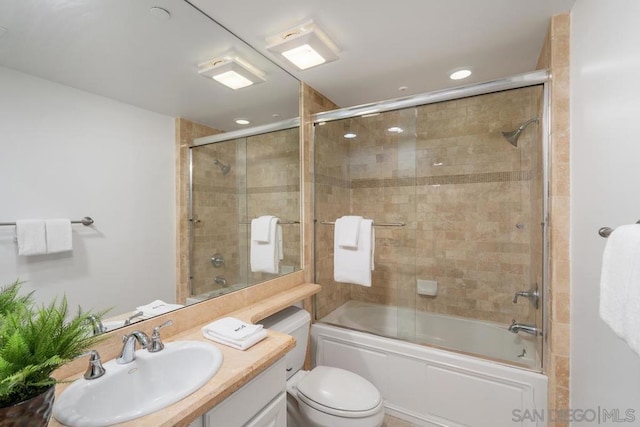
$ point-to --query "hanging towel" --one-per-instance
(354, 265)
(620, 284)
(265, 255)
(261, 229)
(32, 237)
(347, 230)
(280, 239)
(58, 235)
(157, 307)
(234, 333)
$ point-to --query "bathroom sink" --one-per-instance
(151, 382)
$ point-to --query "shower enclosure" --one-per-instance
(456, 191)
(233, 181)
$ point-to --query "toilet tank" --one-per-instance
(293, 321)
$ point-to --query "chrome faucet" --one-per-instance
(529, 329)
(156, 343)
(95, 368)
(532, 294)
(130, 318)
(98, 327)
(220, 281)
(128, 353)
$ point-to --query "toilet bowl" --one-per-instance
(325, 396)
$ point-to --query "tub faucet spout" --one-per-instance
(529, 329)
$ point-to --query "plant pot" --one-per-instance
(34, 412)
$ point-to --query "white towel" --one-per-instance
(354, 265)
(261, 229)
(620, 284)
(32, 237)
(265, 256)
(234, 333)
(58, 235)
(347, 231)
(157, 307)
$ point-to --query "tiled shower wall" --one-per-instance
(264, 179)
(466, 196)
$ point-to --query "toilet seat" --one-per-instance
(339, 392)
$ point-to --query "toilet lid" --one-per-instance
(332, 390)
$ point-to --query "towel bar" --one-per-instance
(287, 222)
(389, 224)
(84, 221)
(606, 231)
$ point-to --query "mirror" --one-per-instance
(232, 183)
(91, 91)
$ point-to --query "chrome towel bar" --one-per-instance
(388, 224)
(286, 222)
(606, 231)
(87, 220)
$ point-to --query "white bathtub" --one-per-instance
(429, 386)
(485, 339)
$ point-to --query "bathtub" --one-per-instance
(430, 386)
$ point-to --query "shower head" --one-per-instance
(224, 168)
(513, 135)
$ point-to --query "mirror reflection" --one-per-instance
(237, 187)
(91, 94)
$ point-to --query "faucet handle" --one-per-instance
(156, 342)
(95, 368)
(127, 322)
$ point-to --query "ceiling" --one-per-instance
(386, 45)
(117, 49)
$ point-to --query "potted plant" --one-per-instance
(35, 341)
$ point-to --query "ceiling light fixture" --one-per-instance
(160, 13)
(231, 71)
(460, 74)
(349, 135)
(395, 129)
(242, 121)
(305, 46)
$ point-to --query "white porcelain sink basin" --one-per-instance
(149, 383)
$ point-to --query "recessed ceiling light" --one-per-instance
(395, 129)
(305, 46)
(242, 121)
(231, 71)
(160, 13)
(460, 74)
(438, 164)
(349, 135)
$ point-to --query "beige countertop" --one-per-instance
(238, 367)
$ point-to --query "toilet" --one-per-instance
(325, 396)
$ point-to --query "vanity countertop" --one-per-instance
(238, 367)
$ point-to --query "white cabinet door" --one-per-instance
(273, 415)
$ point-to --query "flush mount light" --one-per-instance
(460, 74)
(395, 129)
(242, 121)
(305, 46)
(349, 135)
(231, 71)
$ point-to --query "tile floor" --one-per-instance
(390, 421)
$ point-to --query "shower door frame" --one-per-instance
(534, 78)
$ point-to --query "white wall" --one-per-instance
(68, 153)
(605, 191)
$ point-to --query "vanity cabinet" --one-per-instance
(262, 402)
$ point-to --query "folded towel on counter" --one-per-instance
(32, 237)
(347, 231)
(265, 254)
(58, 235)
(234, 333)
(157, 307)
(620, 284)
(354, 265)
